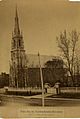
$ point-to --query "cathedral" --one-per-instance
(18, 57)
(24, 69)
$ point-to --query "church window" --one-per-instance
(14, 55)
(19, 43)
(14, 43)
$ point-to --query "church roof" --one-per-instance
(33, 60)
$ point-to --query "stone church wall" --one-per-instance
(50, 75)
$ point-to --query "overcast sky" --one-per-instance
(40, 21)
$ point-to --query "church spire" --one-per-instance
(16, 27)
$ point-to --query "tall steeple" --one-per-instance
(16, 27)
(17, 38)
(17, 73)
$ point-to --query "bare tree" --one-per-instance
(67, 43)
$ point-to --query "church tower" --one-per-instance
(17, 65)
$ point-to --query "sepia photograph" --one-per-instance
(39, 59)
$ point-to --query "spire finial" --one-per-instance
(16, 11)
(16, 28)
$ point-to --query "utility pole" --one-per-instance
(41, 76)
(17, 66)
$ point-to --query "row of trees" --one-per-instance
(68, 45)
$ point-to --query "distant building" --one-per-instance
(4, 80)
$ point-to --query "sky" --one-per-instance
(40, 21)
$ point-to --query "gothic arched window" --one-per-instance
(19, 43)
(14, 43)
